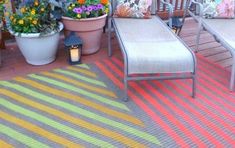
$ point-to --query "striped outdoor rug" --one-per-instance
(80, 106)
(70, 107)
(207, 121)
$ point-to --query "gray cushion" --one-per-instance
(152, 48)
(223, 28)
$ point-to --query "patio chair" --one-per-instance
(223, 31)
(149, 47)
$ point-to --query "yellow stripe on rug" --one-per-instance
(3, 144)
(40, 131)
(94, 128)
(81, 100)
(83, 71)
(80, 84)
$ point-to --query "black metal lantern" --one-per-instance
(73, 45)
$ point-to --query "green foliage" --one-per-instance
(33, 17)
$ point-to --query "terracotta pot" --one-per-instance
(90, 30)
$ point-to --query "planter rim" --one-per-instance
(32, 35)
(85, 19)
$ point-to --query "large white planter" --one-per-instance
(38, 50)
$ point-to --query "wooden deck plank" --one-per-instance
(220, 57)
(212, 51)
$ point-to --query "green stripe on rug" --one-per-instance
(83, 66)
(77, 76)
(81, 91)
(84, 113)
(26, 140)
(54, 124)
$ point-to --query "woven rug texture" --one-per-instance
(81, 106)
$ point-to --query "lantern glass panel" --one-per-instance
(74, 53)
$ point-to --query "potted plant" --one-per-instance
(2, 10)
(2, 3)
(36, 31)
(87, 18)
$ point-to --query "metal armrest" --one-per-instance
(110, 8)
(200, 7)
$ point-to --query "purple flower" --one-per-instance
(84, 8)
(95, 8)
(100, 6)
(89, 8)
(77, 10)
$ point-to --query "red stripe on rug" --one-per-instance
(200, 117)
(189, 134)
(157, 106)
(186, 117)
(211, 74)
(196, 113)
(211, 103)
(159, 121)
(230, 96)
(109, 73)
(138, 101)
(214, 71)
(205, 120)
(215, 116)
(208, 90)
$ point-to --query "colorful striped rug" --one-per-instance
(81, 106)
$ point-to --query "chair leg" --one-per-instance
(194, 86)
(232, 80)
(109, 37)
(184, 16)
(198, 35)
(125, 90)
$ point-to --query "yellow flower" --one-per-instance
(69, 8)
(73, 5)
(11, 18)
(35, 22)
(33, 12)
(14, 21)
(107, 10)
(78, 15)
(22, 10)
(7, 14)
(21, 22)
(36, 3)
(42, 9)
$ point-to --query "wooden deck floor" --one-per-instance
(13, 63)
(208, 47)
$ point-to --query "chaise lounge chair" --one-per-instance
(149, 46)
(223, 31)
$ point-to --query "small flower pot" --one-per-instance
(89, 30)
(36, 49)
